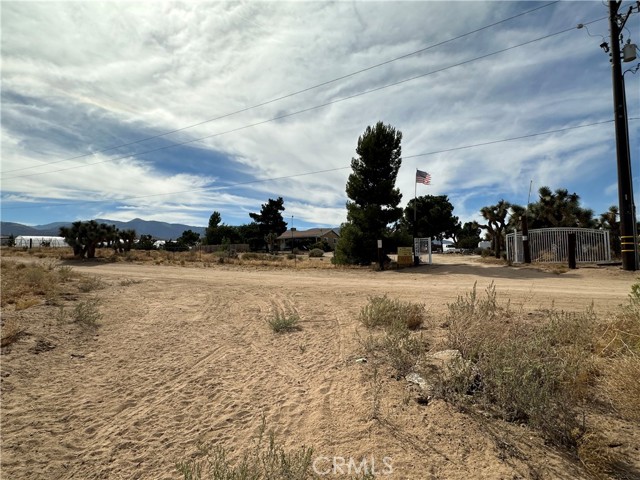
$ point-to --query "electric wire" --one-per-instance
(289, 95)
(315, 107)
(547, 132)
(316, 172)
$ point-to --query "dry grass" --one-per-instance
(389, 313)
(26, 302)
(187, 259)
(546, 374)
(89, 284)
(535, 374)
(86, 313)
(619, 347)
(596, 456)
(11, 331)
(620, 383)
(21, 283)
(268, 460)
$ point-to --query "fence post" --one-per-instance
(525, 239)
(571, 247)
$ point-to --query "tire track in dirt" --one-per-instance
(187, 356)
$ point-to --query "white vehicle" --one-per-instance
(450, 248)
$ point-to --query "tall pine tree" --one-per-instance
(374, 199)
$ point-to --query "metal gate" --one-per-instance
(551, 245)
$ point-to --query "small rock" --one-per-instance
(361, 360)
(43, 346)
(447, 356)
(417, 379)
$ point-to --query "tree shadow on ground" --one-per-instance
(481, 270)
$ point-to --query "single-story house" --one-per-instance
(304, 238)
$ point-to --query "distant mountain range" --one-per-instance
(158, 230)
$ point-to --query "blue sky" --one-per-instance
(78, 78)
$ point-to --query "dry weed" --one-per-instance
(26, 302)
(596, 456)
(266, 460)
(389, 313)
(86, 313)
(89, 284)
(620, 379)
(21, 282)
(284, 319)
(535, 374)
(11, 331)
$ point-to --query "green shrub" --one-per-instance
(402, 349)
(322, 245)
(267, 461)
(284, 320)
(65, 273)
(86, 313)
(316, 253)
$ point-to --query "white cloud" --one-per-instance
(78, 77)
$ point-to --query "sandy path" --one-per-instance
(185, 356)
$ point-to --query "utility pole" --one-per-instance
(628, 236)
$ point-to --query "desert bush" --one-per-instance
(473, 320)
(385, 312)
(535, 374)
(86, 313)
(284, 319)
(621, 335)
(65, 273)
(322, 245)
(260, 256)
(316, 253)
(26, 302)
(621, 386)
(267, 461)
(21, 283)
(89, 284)
(402, 349)
(619, 345)
(11, 331)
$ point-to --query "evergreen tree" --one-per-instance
(374, 200)
(434, 217)
(270, 220)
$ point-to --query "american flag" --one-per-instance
(423, 177)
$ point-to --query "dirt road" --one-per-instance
(184, 355)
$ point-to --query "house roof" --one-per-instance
(311, 233)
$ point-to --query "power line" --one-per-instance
(332, 102)
(317, 172)
(289, 95)
(511, 139)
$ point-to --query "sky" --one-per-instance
(170, 111)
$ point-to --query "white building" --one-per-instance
(40, 241)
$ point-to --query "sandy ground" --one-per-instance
(185, 356)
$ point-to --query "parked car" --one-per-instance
(451, 249)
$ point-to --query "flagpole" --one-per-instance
(416, 258)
